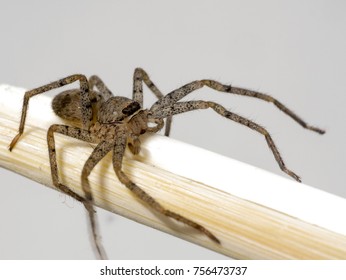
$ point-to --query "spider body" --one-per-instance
(114, 122)
(115, 113)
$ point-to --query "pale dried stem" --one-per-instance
(247, 230)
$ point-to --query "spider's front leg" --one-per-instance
(85, 101)
(169, 105)
(139, 77)
(182, 107)
(183, 91)
(118, 153)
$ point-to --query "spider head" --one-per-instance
(117, 108)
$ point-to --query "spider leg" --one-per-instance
(139, 77)
(118, 153)
(95, 81)
(182, 107)
(69, 131)
(85, 101)
(98, 153)
(87, 201)
(181, 92)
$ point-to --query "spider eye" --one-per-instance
(131, 108)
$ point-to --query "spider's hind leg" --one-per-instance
(85, 101)
(95, 81)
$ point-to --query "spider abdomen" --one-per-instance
(67, 105)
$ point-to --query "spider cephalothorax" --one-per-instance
(114, 122)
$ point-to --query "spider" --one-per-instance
(114, 122)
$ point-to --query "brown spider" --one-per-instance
(112, 122)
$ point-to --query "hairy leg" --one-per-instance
(95, 81)
(98, 153)
(85, 101)
(118, 154)
(139, 77)
(87, 201)
(182, 107)
(72, 132)
(181, 92)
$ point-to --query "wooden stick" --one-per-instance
(255, 214)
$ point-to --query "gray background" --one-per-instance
(294, 50)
